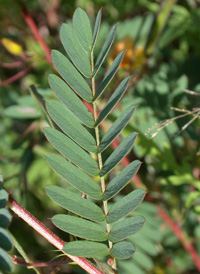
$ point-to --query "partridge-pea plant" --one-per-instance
(100, 227)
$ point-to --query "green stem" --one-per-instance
(99, 157)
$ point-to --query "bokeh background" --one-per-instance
(162, 39)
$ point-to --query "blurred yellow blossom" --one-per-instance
(134, 56)
(12, 46)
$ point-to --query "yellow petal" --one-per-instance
(12, 46)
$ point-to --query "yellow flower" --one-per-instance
(12, 46)
(134, 56)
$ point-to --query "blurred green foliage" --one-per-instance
(171, 160)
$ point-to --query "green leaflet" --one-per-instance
(121, 180)
(83, 29)
(70, 74)
(72, 151)
(86, 249)
(5, 217)
(105, 49)
(116, 128)
(71, 100)
(96, 27)
(70, 125)
(110, 74)
(5, 261)
(114, 99)
(125, 228)
(75, 203)
(3, 198)
(143, 261)
(74, 176)
(119, 153)
(22, 112)
(124, 206)
(80, 227)
(122, 250)
(5, 240)
(74, 50)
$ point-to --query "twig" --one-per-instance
(50, 236)
(19, 261)
(17, 76)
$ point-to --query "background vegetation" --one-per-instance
(163, 55)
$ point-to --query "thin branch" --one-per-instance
(20, 261)
(50, 236)
(16, 76)
(29, 20)
(12, 65)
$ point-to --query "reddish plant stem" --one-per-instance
(17, 76)
(50, 236)
(12, 65)
(29, 20)
(172, 225)
(19, 262)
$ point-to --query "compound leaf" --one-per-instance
(71, 75)
(86, 249)
(119, 153)
(72, 151)
(75, 203)
(74, 176)
(121, 180)
(125, 228)
(80, 227)
(70, 125)
(125, 205)
(71, 100)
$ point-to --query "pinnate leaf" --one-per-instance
(119, 153)
(75, 203)
(75, 176)
(83, 29)
(105, 49)
(74, 50)
(121, 180)
(72, 151)
(71, 100)
(71, 75)
(70, 125)
(86, 249)
(80, 227)
(122, 250)
(110, 74)
(114, 99)
(125, 228)
(125, 205)
(116, 128)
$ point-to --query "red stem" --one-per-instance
(12, 65)
(50, 236)
(36, 33)
(17, 76)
